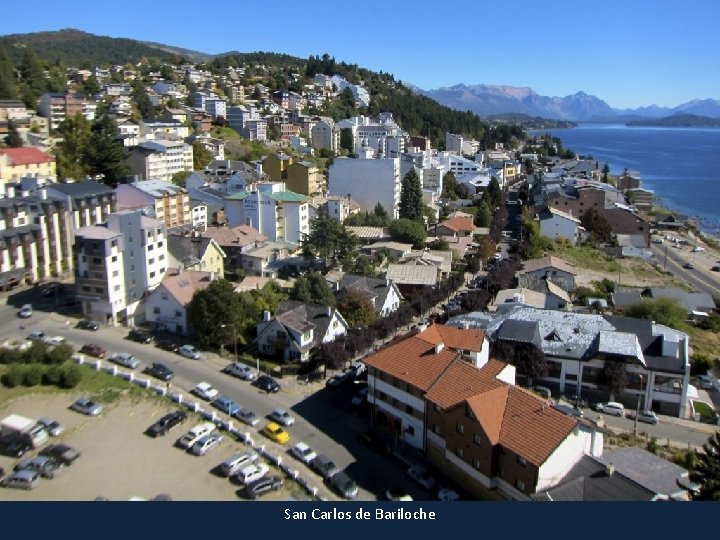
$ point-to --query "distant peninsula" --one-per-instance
(677, 120)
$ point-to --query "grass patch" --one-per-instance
(224, 133)
(703, 342)
(585, 257)
(705, 411)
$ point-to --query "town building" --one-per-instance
(160, 158)
(166, 306)
(195, 252)
(367, 181)
(17, 163)
(159, 199)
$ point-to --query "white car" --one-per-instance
(303, 452)
(206, 391)
(188, 351)
(53, 427)
(281, 416)
(240, 371)
(125, 360)
(235, 463)
(25, 311)
(422, 476)
(195, 434)
(203, 445)
(252, 472)
(53, 340)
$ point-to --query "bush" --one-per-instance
(14, 377)
(59, 355)
(33, 375)
(10, 356)
(700, 364)
(35, 354)
(52, 376)
(71, 376)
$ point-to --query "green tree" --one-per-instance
(705, 470)
(450, 186)
(8, 84)
(75, 133)
(411, 203)
(328, 239)
(408, 231)
(380, 212)
(13, 139)
(360, 265)
(356, 308)
(483, 217)
(180, 177)
(201, 156)
(142, 100)
(312, 288)
(217, 314)
(32, 73)
(596, 224)
(439, 244)
(666, 311)
(347, 142)
(104, 155)
(91, 86)
(494, 193)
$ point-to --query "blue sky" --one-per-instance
(629, 53)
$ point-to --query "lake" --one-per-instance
(681, 165)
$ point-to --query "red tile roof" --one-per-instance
(454, 338)
(459, 224)
(462, 380)
(26, 156)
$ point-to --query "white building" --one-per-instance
(166, 306)
(557, 224)
(367, 181)
(160, 158)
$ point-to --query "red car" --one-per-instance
(93, 350)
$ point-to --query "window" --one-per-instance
(477, 439)
(178, 313)
(408, 409)
(116, 288)
(436, 429)
(410, 430)
(86, 288)
(99, 290)
(460, 428)
(152, 275)
(97, 260)
(114, 258)
(115, 273)
(151, 261)
(156, 310)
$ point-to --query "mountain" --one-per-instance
(487, 100)
(195, 56)
(678, 120)
(77, 48)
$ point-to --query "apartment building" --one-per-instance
(367, 181)
(305, 178)
(88, 202)
(16, 163)
(162, 200)
(160, 158)
(56, 107)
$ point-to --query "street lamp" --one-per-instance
(637, 407)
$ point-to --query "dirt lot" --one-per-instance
(118, 461)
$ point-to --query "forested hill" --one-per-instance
(80, 49)
(677, 120)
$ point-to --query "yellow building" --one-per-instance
(303, 177)
(16, 163)
(276, 166)
(195, 253)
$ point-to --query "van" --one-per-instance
(195, 434)
(614, 408)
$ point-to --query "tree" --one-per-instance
(312, 288)
(356, 308)
(328, 239)
(666, 311)
(180, 177)
(347, 141)
(614, 376)
(217, 313)
(486, 248)
(13, 139)
(8, 86)
(450, 186)
(142, 100)
(705, 471)
(380, 212)
(439, 244)
(597, 225)
(201, 156)
(104, 155)
(494, 193)
(411, 203)
(91, 86)
(483, 217)
(75, 133)
(32, 73)
(408, 231)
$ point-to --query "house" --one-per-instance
(624, 297)
(394, 249)
(671, 221)
(691, 301)
(296, 329)
(382, 293)
(621, 474)
(324, 134)
(265, 258)
(410, 278)
(369, 235)
(276, 166)
(557, 224)
(578, 347)
(56, 107)
(235, 241)
(456, 226)
(303, 177)
(550, 268)
(469, 419)
(160, 199)
(430, 257)
(166, 306)
(16, 163)
(195, 252)
(519, 297)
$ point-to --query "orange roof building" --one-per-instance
(15, 163)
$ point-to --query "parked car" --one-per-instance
(141, 336)
(226, 405)
(125, 360)
(324, 466)
(53, 341)
(45, 465)
(422, 476)
(92, 349)
(67, 455)
(344, 485)
(276, 433)
(36, 335)
(86, 406)
(281, 416)
(398, 494)
(14, 445)
(205, 390)
(159, 371)
(247, 416)
(195, 434)
(339, 379)
(237, 462)
(253, 472)
(705, 382)
(86, 324)
(715, 268)
(267, 383)
(166, 423)
(203, 445)
(447, 495)
(255, 489)
(303, 452)
(22, 479)
(240, 371)
(188, 351)
(649, 417)
(25, 312)
(53, 427)
(360, 397)
(167, 345)
(612, 407)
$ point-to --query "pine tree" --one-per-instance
(706, 470)
(411, 203)
(75, 133)
(13, 139)
(33, 77)
(8, 86)
(104, 155)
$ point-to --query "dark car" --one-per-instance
(67, 455)
(167, 345)
(86, 324)
(53, 288)
(689, 266)
(267, 383)
(92, 349)
(715, 268)
(324, 466)
(14, 445)
(140, 336)
(166, 423)
(344, 485)
(159, 371)
(264, 485)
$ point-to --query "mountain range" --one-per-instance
(487, 100)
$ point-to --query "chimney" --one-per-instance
(610, 469)
(439, 347)
(266, 316)
(466, 325)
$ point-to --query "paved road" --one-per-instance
(701, 277)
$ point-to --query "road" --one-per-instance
(672, 259)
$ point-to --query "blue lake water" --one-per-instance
(681, 165)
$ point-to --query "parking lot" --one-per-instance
(119, 461)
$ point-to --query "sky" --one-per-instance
(629, 53)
